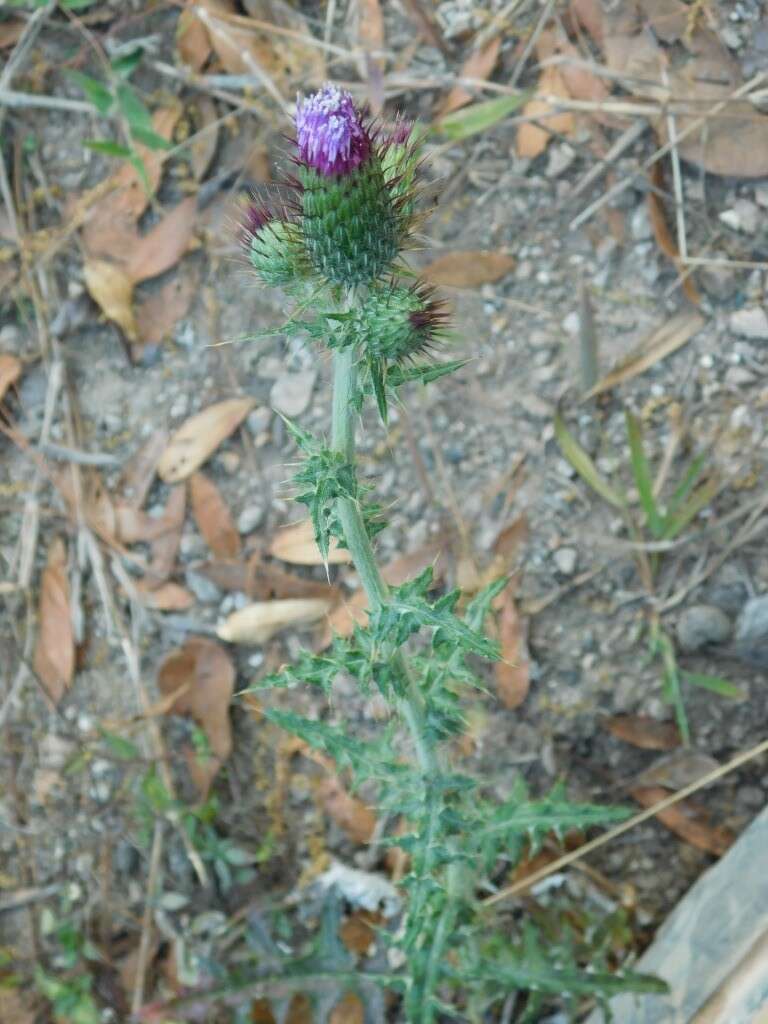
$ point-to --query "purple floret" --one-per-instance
(330, 133)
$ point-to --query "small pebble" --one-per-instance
(251, 517)
(259, 420)
(565, 559)
(752, 623)
(700, 625)
(204, 590)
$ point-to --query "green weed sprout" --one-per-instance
(340, 239)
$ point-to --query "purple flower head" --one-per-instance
(330, 133)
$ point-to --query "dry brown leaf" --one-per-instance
(54, 657)
(205, 669)
(168, 597)
(687, 820)
(203, 145)
(661, 342)
(667, 18)
(349, 812)
(12, 1007)
(513, 673)
(347, 614)
(243, 49)
(532, 139)
(506, 549)
(111, 288)
(349, 1010)
(10, 32)
(213, 518)
(259, 622)
(643, 731)
(164, 244)
(199, 436)
(663, 234)
(157, 315)
(358, 931)
(296, 544)
(678, 769)
(10, 371)
(165, 543)
(192, 42)
(479, 65)
(589, 15)
(468, 269)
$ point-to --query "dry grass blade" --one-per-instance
(661, 342)
(54, 657)
(199, 436)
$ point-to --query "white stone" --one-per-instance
(291, 392)
(750, 322)
(565, 559)
(251, 517)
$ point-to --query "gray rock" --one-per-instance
(292, 392)
(565, 559)
(640, 224)
(700, 625)
(204, 590)
(719, 282)
(750, 322)
(752, 623)
(259, 420)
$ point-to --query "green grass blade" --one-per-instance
(698, 500)
(687, 484)
(584, 465)
(716, 684)
(672, 690)
(642, 474)
(479, 116)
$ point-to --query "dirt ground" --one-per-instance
(465, 458)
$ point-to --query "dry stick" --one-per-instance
(22, 47)
(544, 17)
(497, 22)
(621, 186)
(142, 959)
(28, 100)
(677, 182)
(638, 819)
(428, 27)
(624, 141)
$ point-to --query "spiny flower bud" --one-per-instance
(273, 246)
(351, 224)
(397, 323)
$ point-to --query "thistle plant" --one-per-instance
(336, 248)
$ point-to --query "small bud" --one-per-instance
(397, 323)
(274, 247)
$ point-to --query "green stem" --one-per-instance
(411, 706)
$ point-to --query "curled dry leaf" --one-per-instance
(10, 371)
(158, 314)
(479, 65)
(358, 931)
(54, 657)
(213, 518)
(199, 436)
(203, 145)
(468, 269)
(296, 544)
(203, 676)
(513, 672)
(688, 820)
(259, 622)
(532, 139)
(349, 812)
(112, 290)
(643, 731)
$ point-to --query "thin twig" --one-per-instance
(59, 451)
(637, 819)
(28, 100)
(624, 141)
(544, 17)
